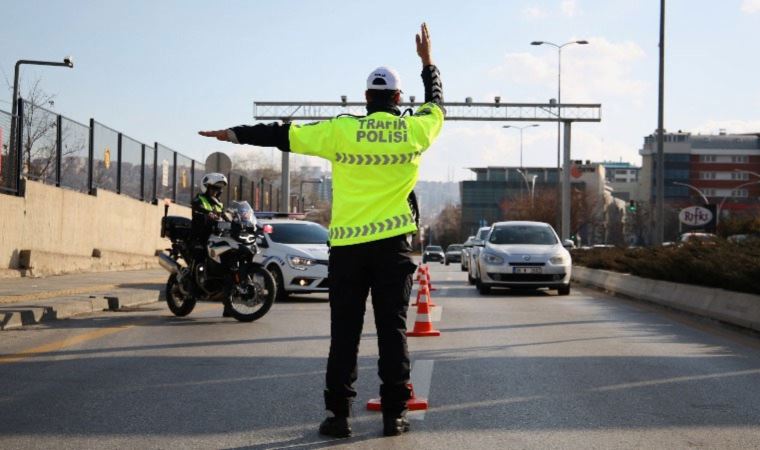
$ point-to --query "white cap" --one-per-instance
(384, 78)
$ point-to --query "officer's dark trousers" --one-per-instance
(385, 269)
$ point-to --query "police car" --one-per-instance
(295, 253)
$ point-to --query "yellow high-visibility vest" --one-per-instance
(375, 164)
(206, 205)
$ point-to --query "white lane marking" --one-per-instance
(421, 377)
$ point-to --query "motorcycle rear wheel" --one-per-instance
(256, 304)
(179, 304)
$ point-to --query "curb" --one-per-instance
(16, 316)
(736, 308)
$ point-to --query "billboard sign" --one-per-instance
(699, 216)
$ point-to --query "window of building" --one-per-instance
(677, 157)
(707, 158)
(707, 175)
(740, 159)
(676, 174)
(739, 193)
(739, 176)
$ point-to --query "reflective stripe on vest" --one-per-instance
(376, 160)
(392, 223)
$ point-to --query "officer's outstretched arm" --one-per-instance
(262, 135)
(314, 139)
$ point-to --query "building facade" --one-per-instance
(495, 191)
(623, 179)
(718, 168)
(484, 198)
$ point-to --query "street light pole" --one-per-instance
(696, 189)
(660, 173)
(521, 129)
(560, 186)
(67, 62)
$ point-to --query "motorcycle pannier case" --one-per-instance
(176, 228)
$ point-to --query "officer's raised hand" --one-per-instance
(423, 45)
(222, 135)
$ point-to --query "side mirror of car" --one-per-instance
(479, 243)
(568, 244)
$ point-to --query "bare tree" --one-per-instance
(39, 134)
(447, 226)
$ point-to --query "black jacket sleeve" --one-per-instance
(431, 79)
(264, 135)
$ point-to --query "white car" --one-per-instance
(466, 249)
(523, 254)
(296, 254)
(477, 245)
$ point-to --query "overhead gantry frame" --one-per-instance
(567, 113)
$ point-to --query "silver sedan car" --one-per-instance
(523, 255)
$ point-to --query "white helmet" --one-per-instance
(213, 179)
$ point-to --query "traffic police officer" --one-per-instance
(207, 209)
(375, 162)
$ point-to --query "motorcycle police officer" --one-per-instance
(207, 209)
(375, 162)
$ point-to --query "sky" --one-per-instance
(162, 70)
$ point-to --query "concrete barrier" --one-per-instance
(52, 231)
(736, 308)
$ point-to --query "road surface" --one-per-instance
(510, 370)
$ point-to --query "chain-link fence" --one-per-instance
(57, 150)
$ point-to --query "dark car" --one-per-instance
(453, 253)
(433, 253)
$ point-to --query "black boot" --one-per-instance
(335, 427)
(227, 311)
(394, 425)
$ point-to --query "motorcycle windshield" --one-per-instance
(244, 213)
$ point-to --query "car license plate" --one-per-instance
(526, 270)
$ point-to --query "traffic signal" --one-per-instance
(632, 205)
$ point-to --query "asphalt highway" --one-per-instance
(510, 370)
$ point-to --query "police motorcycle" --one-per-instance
(228, 273)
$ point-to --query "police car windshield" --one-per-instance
(522, 234)
(298, 233)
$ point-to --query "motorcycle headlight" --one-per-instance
(559, 259)
(300, 263)
(492, 259)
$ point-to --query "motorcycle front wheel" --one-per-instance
(179, 303)
(253, 298)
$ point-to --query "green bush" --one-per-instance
(721, 264)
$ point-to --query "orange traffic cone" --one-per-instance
(413, 404)
(423, 324)
(430, 282)
(420, 273)
(424, 291)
